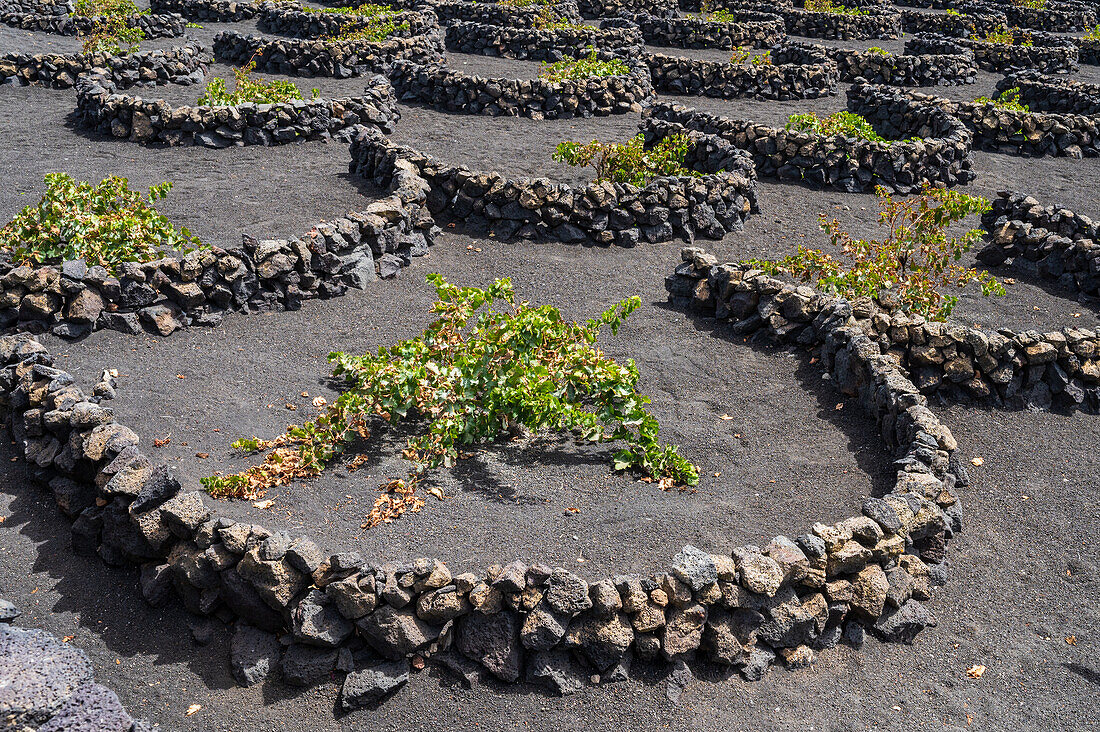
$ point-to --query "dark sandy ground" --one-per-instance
(1025, 570)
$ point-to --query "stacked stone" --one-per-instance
(309, 58)
(755, 29)
(1054, 18)
(953, 26)
(1088, 51)
(1049, 54)
(537, 45)
(1065, 245)
(876, 68)
(493, 14)
(847, 163)
(72, 299)
(596, 9)
(310, 616)
(291, 20)
(1016, 370)
(49, 685)
(154, 26)
(208, 11)
(1053, 93)
(37, 7)
(878, 22)
(184, 65)
(781, 80)
(156, 122)
(708, 205)
(444, 88)
(1031, 134)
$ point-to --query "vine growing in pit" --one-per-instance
(476, 373)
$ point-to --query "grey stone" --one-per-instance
(567, 593)
(558, 670)
(395, 634)
(253, 654)
(492, 641)
(373, 683)
(695, 567)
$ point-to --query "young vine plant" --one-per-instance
(477, 372)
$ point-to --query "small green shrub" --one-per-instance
(828, 6)
(523, 3)
(247, 89)
(846, 124)
(1008, 99)
(549, 20)
(913, 262)
(745, 56)
(721, 16)
(1005, 37)
(113, 35)
(951, 11)
(630, 162)
(585, 67)
(473, 376)
(1031, 4)
(104, 224)
(878, 51)
(1093, 33)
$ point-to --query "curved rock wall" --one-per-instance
(184, 65)
(536, 45)
(450, 90)
(875, 68)
(1058, 57)
(152, 121)
(604, 213)
(846, 163)
(341, 59)
(783, 80)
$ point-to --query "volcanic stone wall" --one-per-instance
(210, 11)
(292, 21)
(1028, 369)
(309, 58)
(184, 65)
(710, 205)
(154, 26)
(493, 14)
(787, 600)
(595, 9)
(758, 30)
(952, 26)
(49, 684)
(1050, 54)
(877, 68)
(1043, 93)
(1089, 51)
(1031, 134)
(152, 121)
(782, 80)
(879, 22)
(73, 299)
(1065, 245)
(536, 45)
(444, 88)
(847, 163)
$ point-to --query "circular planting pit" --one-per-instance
(342, 59)
(450, 90)
(805, 77)
(184, 65)
(534, 44)
(1049, 54)
(876, 67)
(286, 19)
(153, 26)
(155, 121)
(848, 163)
(873, 22)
